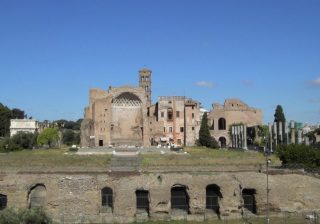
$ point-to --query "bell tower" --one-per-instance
(145, 83)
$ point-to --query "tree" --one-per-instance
(24, 140)
(279, 117)
(5, 116)
(205, 139)
(17, 113)
(49, 136)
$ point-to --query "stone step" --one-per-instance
(124, 169)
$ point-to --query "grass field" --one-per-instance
(273, 220)
(208, 157)
(51, 158)
(194, 157)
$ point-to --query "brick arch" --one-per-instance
(37, 196)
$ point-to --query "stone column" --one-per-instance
(280, 132)
(293, 134)
(236, 136)
(232, 136)
(240, 136)
(245, 137)
(299, 136)
(275, 134)
(286, 130)
(270, 137)
(306, 140)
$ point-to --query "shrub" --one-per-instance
(29, 216)
(299, 154)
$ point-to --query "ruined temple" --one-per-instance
(125, 116)
(233, 111)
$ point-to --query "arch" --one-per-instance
(223, 142)
(37, 196)
(126, 99)
(249, 201)
(213, 195)
(142, 199)
(222, 124)
(107, 198)
(179, 198)
(3, 201)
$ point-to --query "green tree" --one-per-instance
(24, 140)
(68, 137)
(5, 116)
(49, 136)
(205, 139)
(279, 117)
(17, 113)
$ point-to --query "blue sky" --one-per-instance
(263, 52)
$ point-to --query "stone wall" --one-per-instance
(234, 111)
(73, 197)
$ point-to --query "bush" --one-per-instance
(19, 141)
(299, 154)
(29, 216)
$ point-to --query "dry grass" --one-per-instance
(51, 158)
(273, 220)
(55, 158)
(208, 157)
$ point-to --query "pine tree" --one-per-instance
(279, 117)
(205, 139)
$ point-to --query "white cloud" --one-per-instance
(314, 100)
(247, 83)
(315, 82)
(205, 84)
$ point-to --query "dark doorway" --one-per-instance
(142, 197)
(107, 198)
(37, 196)
(179, 198)
(213, 195)
(3, 201)
(100, 142)
(249, 201)
(223, 142)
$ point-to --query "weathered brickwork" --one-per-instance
(124, 116)
(76, 197)
(234, 111)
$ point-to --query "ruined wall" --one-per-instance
(234, 111)
(76, 197)
(121, 124)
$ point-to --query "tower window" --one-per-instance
(177, 113)
(192, 115)
(170, 114)
(181, 129)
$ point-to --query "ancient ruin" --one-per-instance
(124, 116)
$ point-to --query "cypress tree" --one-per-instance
(205, 139)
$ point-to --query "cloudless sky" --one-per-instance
(262, 52)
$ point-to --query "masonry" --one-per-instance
(79, 197)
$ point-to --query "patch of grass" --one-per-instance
(273, 220)
(197, 156)
(51, 158)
